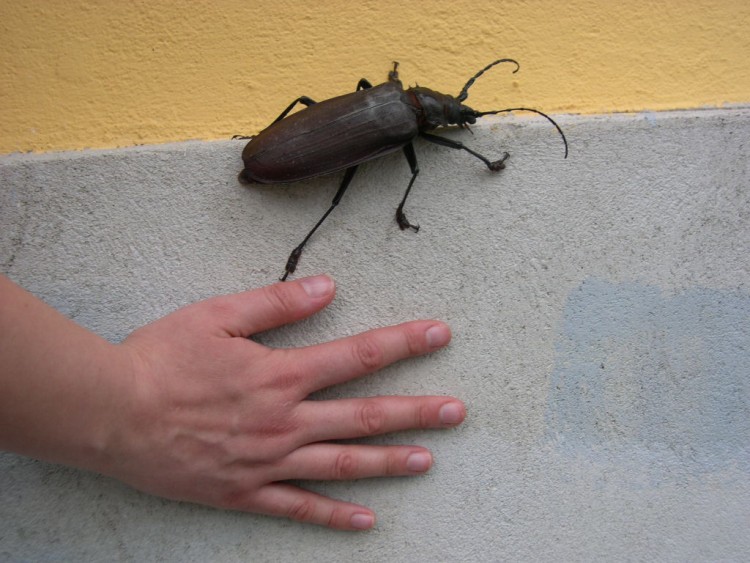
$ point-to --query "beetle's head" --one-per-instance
(438, 110)
(435, 109)
(468, 116)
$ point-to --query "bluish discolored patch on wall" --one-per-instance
(652, 379)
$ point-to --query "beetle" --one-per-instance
(342, 132)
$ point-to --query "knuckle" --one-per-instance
(279, 297)
(423, 416)
(290, 376)
(301, 510)
(345, 466)
(371, 418)
(220, 307)
(334, 518)
(369, 353)
(234, 499)
(277, 426)
(414, 342)
(391, 465)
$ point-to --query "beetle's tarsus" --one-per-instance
(499, 164)
(291, 263)
(242, 137)
(403, 222)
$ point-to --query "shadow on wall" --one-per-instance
(646, 378)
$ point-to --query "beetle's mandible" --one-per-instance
(341, 133)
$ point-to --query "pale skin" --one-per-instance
(190, 408)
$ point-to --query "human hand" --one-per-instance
(218, 419)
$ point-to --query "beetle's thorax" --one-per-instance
(438, 110)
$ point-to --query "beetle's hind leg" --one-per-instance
(401, 219)
(492, 165)
(291, 263)
(304, 100)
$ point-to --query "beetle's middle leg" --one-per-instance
(438, 140)
(401, 219)
(291, 263)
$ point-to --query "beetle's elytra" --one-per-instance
(341, 133)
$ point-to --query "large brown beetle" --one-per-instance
(342, 132)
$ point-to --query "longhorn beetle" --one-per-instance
(341, 133)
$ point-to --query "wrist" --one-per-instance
(102, 442)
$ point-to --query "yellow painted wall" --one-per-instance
(107, 73)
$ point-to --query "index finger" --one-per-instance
(250, 312)
(341, 360)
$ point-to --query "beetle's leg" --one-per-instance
(401, 219)
(304, 100)
(363, 84)
(492, 165)
(301, 100)
(291, 263)
(393, 74)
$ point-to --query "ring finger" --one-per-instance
(347, 462)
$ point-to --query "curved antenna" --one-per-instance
(544, 115)
(465, 90)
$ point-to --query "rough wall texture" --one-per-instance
(99, 73)
(600, 309)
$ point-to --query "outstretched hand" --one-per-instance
(216, 418)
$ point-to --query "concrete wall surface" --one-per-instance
(601, 315)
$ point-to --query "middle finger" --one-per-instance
(355, 418)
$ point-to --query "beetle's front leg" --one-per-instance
(494, 165)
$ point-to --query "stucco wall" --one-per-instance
(98, 73)
(599, 306)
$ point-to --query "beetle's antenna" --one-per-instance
(544, 115)
(465, 90)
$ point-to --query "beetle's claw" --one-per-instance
(403, 222)
(499, 164)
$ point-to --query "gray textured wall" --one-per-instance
(601, 317)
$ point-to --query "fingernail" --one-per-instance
(451, 413)
(362, 521)
(419, 462)
(317, 286)
(438, 335)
